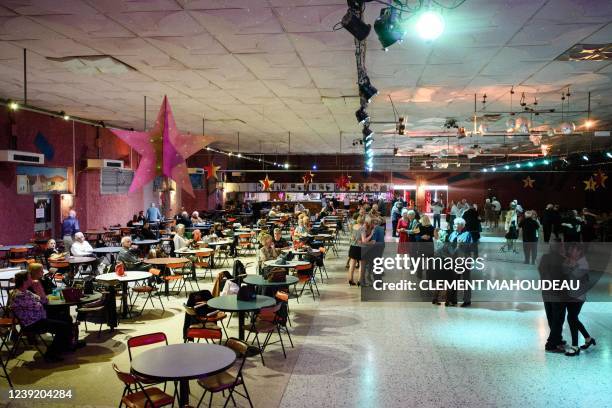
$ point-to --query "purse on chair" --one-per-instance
(247, 293)
(72, 294)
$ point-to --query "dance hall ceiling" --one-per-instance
(265, 68)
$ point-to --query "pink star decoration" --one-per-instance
(163, 150)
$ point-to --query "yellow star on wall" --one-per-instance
(589, 185)
(528, 182)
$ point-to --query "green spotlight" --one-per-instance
(430, 25)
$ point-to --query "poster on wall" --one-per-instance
(197, 181)
(42, 213)
(34, 179)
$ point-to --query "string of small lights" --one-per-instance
(546, 163)
(247, 157)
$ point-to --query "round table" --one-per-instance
(230, 303)
(85, 299)
(260, 282)
(130, 276)
(301, 252)
(183, 362)
(218, 242)
(146, 242)
(9, 247)
(109, 250)
(77, 260)
(193, 251)
(289, 264)
(163, 262)
(7, 274)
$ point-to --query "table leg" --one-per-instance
(124, 300)
(184, 393)
(241, 325)
(166, 283)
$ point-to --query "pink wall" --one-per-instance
(94, 210)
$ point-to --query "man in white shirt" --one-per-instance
(80, 247)
(496, 207)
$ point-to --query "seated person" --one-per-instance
(267, 251)
(51, 253)
(141, 217)
(131, 222)
(273, 212)
(146, 233)
(300, 231)
(80, 247)
(195, 218)
(278, 241)
(299, 207)
(180, 242)
(27, 303)
(39, 278)
(184, 219)
(128, 255)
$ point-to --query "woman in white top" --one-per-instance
(179, 239)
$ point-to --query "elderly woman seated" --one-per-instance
(195, 218)
(80, 247)
(180, 241)
(267, 251)
(28, 301)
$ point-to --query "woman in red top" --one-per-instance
(404, 230)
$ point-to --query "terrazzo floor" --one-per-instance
(350, 353)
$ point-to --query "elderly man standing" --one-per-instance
(70, 226)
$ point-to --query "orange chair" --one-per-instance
(270, 320)
(148, 291)
(204, 260)
(244, 242)
(199, 331)
(176, 276)
(151, 397)
(306, 276)
(18, 256)
(227, 381)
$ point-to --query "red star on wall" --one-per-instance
(266, 183)
(343, 182)
(528, 182)
(211, 171)
(600, 178)
(307, 178)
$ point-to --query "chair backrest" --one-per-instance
(205, 333)
(281, 296)
(177, 265)
(146, 340)
(59, 264)
(154, 271)
(240, 347)
(18, 250)
(303, 267)
(125, 378)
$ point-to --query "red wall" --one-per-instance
(93, 209)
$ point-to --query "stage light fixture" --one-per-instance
(609, 155)
(286, 165)
(362, 116)
(530, 164)
(545, 162)
(13, 105)
(63, 114)
(493, 168)
(355, 25)
(585, 157)
(239, 155)
(366, 90)
(314, 166)
(388, 27)
(367, 133)
(401, 126)
(517, 165)
(429, 26)
(507, 167)
(485, 170)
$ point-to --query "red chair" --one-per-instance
(146, 340)
(200, 331)
(270, 320)
(18, 256)
(135, 395)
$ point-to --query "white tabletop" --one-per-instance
(300, 251)
(129, 276)
(7, 274)
(193, 251)
(218, 242)
(289, 264)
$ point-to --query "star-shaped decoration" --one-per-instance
(528, 182)
(343, 182)
(211, 171)
(163, 150)
(589, 185)
(266, 183)
(307, 178)
(600, 178)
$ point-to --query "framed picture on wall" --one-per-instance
(34, 179)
